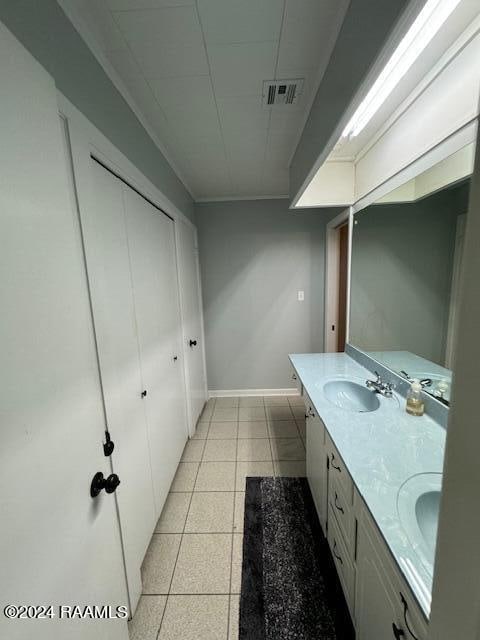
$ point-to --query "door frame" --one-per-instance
(332, 277)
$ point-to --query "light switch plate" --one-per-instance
(301, 296)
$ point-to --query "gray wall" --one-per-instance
(366, 27)
(255, 256)
(402, 258)
(42, 27)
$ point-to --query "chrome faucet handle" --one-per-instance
(389, 387)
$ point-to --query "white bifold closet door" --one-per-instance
(151, 238)
(192, 322)
(116, 326)
(130, 248)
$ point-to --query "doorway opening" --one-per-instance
(337, 282)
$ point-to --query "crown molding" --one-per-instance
(239, 198)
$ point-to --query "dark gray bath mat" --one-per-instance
(290, 589)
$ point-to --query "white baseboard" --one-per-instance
(229, 393)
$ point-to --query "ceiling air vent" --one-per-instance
(281, 92)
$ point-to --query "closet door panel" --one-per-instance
(153, 266)
(192, 322)
(115, 324)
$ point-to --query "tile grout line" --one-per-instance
(231, 542)
(233, 523)
(219, 593)
(198, 533)
(182, 535)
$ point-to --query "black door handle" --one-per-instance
(193, 343)
(337, 505)
(110, 484)
(398, 633)
(108, 445)
(144, 393)
(334, 551)
(334, 466)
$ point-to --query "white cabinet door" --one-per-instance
(57, 545)
(115, 322)
(317, 464)
(191, 304)
(376, 607)
(151, 241)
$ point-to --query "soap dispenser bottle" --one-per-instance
(415, 405)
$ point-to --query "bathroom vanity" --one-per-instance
(375, 475)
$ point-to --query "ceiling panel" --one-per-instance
(245, 145)
(309, 32)
(239, 69)
(285, 121)
(171, 92)
(99, 18)
(189, 119)
(277, 150)
(170, 61)
(229, 21)
(209, 180)
(238, 114)
(196, 70)
(192, 95)
(275, 181)
(168, 26)
(193, 142)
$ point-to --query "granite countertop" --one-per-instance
(381, 449)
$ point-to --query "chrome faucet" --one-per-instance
(425, 382)
(379, 386)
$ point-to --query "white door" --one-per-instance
(192, 322)
(151, 240)
(57, 545)
(113, 307)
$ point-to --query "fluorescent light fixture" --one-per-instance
(424, 28)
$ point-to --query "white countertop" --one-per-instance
(382, 449)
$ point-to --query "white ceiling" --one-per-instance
(195, 70)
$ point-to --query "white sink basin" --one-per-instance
(418, 504)
(351, 396)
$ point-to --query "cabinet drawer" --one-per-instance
(344, 514)
(343, 563)
(338, 471)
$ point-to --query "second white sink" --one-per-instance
(350, 396)
(418, 504)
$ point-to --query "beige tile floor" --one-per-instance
(192, 570)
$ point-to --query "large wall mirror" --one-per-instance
(406, 257)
